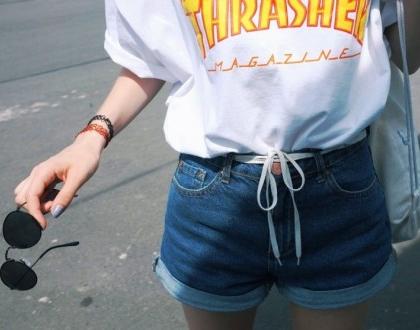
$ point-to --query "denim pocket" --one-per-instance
(353, 176)
(194, 176)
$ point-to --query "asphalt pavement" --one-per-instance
(54, 75)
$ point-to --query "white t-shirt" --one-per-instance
(256, 75)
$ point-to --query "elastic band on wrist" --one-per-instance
(97, 128)
(107, 122)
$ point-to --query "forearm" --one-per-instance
(127, 98)
(412, 30)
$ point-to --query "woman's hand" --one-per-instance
(73, 166)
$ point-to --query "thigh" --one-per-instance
(199, 319)
(352, 317)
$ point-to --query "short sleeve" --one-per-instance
(127, 48)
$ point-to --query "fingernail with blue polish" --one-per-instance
(57, 210)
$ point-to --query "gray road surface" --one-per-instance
(53, 76)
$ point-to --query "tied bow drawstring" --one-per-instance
(270, 181)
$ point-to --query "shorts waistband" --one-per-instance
(260, 159)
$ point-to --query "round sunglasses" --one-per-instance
(22, 231)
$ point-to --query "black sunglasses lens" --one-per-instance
(21, 230)
(17, 276)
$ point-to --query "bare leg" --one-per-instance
(199, 319)
(353, 317)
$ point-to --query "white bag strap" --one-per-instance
(414, 182)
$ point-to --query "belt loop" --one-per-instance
(226, 167)
(320, 165)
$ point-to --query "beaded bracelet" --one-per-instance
(107, 122)
(98, 128)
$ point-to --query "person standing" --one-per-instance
(269, 110)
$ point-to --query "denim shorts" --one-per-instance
(215, 252)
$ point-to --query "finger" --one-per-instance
(21, 185)
(46, 207)
(51, 194)
(22, 188)
(20, 198)
(63, 199)
(48, 198)
(39, 183)
(24, 184)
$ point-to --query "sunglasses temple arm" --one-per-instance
(49, 249)
(54, 247)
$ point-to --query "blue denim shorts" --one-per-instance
(215, 252)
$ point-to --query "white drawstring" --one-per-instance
(268, 177)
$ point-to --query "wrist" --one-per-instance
(93, 139)
(97, 133)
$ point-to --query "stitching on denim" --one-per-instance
(213, 184)
(351, 194)
(192, 171)
(268, 255)
(256, 178)
(288, 238)
(183, 163)
(344, 154)
(278, 227)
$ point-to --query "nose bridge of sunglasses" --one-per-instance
(25, 261)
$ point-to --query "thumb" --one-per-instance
(66, 194)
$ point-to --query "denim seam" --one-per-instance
(234, 172)
(257, 178)
(288, 238)
(344, 155)
(182, 163)
(302, 295)
(213, 184)
(169, 281)
(268, 255)
(348, 193)
(196, 173)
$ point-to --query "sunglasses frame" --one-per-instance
(25, 263)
